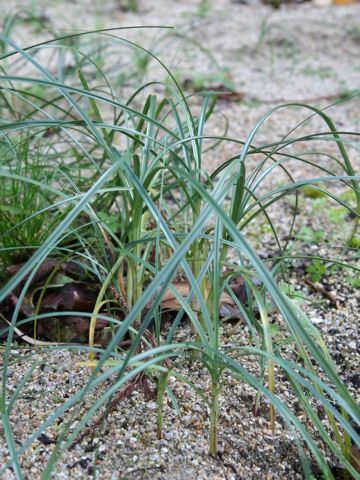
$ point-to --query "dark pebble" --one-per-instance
(45, 439)
(355, 379)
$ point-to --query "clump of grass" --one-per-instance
(131, 201)
(24, 222)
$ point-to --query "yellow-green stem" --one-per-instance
(162, 382)
(214, 417)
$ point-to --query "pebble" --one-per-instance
(9, 373)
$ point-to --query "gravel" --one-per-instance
(285, 55)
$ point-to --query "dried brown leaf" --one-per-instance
(70, 297)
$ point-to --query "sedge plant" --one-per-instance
(135, 207)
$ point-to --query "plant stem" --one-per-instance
(214, 415)
(162, 383)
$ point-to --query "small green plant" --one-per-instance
(308, 235)
(290, 291)
(207, 80)
(204, 8)
(337, 215)
(354, 32)
(318, 72)
(353, 280)
(128, 5)
(317, 270)
(318, 204)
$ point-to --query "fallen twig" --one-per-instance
(320, 289)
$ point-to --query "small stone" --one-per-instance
(9, 373)
(233, 382)
(317, 320)
(355, 380)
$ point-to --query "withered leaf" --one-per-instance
(82, 323)
(42, 273)
(229, 311)
(355, 458)
(169, 300)
(238, 286)
(70, 297)
(27, 308)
